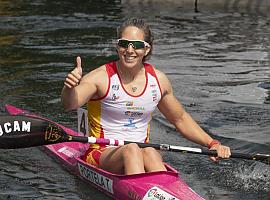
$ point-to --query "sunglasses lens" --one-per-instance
(138, 44)
(123, 43)
(135, 44)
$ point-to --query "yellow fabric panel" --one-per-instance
(94, 120)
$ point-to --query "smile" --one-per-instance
(130, 58)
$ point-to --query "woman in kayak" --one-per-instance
(121, 96)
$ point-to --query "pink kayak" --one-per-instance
(146, 186)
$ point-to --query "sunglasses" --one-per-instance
(136, 44)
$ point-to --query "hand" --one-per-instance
(73, 78)
(222, 151)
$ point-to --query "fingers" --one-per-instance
(73, 78)
(223, 152)
(79, 65)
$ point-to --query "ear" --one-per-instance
(147, 51)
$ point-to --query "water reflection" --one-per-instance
(256, 7)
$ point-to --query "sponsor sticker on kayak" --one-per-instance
(156, 193)
(96, 178)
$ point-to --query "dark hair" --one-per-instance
(140, 24)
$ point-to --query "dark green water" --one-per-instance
(217, 60)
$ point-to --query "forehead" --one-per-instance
(133, 33)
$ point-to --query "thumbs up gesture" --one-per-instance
(73, 78)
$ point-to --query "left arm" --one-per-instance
(172, 109)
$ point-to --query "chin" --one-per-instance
(132, 63)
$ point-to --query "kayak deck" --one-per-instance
(144, 186)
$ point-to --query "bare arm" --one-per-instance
(73, 98)
(78, 90)
(172, 109)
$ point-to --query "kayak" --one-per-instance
(163, 185)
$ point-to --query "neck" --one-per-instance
(129, 74)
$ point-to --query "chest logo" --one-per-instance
(115, 87)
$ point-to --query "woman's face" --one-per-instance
(131, 57)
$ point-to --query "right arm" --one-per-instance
(78, 90)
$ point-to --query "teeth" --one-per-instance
(130, 58)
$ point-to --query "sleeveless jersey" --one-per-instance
(121, 115)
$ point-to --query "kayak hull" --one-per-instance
(144, 186)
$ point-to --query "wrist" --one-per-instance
(212, 143)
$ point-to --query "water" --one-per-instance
(217, 60)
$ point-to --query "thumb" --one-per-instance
(79, 65)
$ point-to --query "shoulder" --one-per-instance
(99, 71)
(164, 81)
(96, 75)
(160, 75)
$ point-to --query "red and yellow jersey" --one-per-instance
(121, 115)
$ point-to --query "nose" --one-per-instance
(130, 47)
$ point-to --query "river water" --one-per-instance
(216, 56)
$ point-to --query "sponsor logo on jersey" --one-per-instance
(133, 114)
(154, 95)
(129, 103)
(115, 87)
(114, 97)
(130, 124)
(130, 106)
